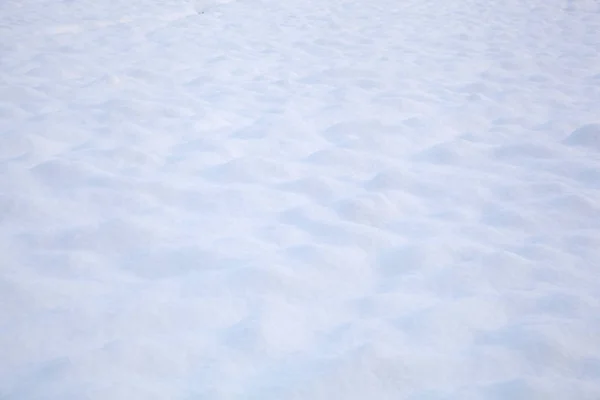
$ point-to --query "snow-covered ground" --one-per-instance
(301, 199)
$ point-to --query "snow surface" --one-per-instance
(301, 199)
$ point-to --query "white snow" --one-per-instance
(301, 199)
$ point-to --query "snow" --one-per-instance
(335, 199)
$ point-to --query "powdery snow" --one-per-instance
(333, 199)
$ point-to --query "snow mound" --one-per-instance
(585, 136)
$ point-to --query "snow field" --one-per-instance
(299, 200)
